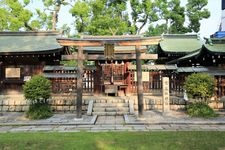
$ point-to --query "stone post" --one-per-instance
(165, 95)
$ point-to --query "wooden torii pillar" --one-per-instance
(80, 43)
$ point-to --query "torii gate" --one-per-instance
(116, 41)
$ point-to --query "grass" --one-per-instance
(114, 141)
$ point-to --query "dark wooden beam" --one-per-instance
(116, 57)
(139, 82)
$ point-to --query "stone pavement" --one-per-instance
(151, 121)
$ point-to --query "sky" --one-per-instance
(208, 26)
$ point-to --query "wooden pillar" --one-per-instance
(97, 79)
(79, 81)
(139, 81)
(128, 78)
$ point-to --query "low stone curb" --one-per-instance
(143, 121)
(50, 123)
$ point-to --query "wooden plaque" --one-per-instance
(12, 72)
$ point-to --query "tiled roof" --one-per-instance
(67, 68)
(215, 45)
(154, 67)
(180, 43)
(188, 56)
(210, 70)
(28, 42)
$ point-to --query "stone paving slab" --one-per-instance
(99, 128)
(153, 121)
(18, 119)
(173, 117)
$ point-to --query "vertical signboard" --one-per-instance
(109, 51)
(166, 95)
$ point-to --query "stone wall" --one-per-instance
(67, 103)
(155, 103)
(17, 103)
(176, 103)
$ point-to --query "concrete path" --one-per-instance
(151, 121)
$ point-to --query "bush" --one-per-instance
(38, 91)
(200, 109)
(199, 86)
(39, 111)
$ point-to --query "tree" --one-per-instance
(199, 86)
(14, 16)
(100, 17)
(196, 12)
(176, 18)
(143, 12)
(172, 15)
(52, 8)
(156, 30)
(81, 11)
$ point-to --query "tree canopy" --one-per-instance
(106, 17)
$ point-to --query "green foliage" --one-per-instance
(38, 89)
(100, 17)
(39, 111)
(176, 17)
(156, 30)
(199, 85)
(196, 11)
(143, 12)
(106, 17)
(71, 63)
(14, 15)
(200, 109)
(173, 15)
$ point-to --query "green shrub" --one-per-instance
(39, 111)
(199, 86)
(200, 109)
(38, 91)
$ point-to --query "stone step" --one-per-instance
(117, 109)
(111, 101)
(104, 113)
(109, 113)
(98, 109)
(111, 109)
(111, 104)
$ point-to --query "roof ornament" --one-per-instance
(210, 42)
